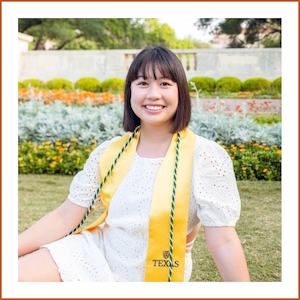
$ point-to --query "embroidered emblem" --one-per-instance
(166, 254)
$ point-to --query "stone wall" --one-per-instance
(103, 64)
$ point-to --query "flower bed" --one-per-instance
(71, 98)
(39, 122)
(251, 161)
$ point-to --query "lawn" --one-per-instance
(259, 227)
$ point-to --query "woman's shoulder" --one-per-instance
(98, 151)
(209, 152)
(203, 144)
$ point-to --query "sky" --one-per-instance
(184, 27)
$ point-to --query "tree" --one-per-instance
(257, 30)
(104, 33)
(84, 33)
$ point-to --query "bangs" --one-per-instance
(152, 60)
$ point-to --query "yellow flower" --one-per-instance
(267, 149)
(20, 158)
(265, 170)
(278, 151)
(223, 146)
(74, 140)
(46, 147)
(244, 168)
(264, 144)
(94, 141)
(47, 153)
(231, 146)
(78, 160)
(274, 146)
(58, 143)
(232, 157)
(53, 164)
(241, 146)
(29, 155)
(261, 146)
(255, 157)
(22, 165)
(54, 158)
(242, 150)
(256, 144)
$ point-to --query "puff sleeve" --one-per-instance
(214, 185)
(86, 182)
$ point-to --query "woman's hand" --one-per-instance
(227, 252)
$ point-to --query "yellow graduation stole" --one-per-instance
(163, 248)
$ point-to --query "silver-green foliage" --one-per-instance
(39, 122)
(233, 129)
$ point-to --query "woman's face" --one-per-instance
(154, 101)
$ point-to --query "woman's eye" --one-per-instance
(142, 83)
(165, 83)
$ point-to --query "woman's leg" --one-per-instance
(38, 266)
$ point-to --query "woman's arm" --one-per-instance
(51, 227)
(227, 252)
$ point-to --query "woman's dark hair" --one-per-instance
(170, 67)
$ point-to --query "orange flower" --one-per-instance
(265, 170)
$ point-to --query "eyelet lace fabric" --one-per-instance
(117, 250)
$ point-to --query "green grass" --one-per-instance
(259, 227)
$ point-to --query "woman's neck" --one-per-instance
(153, 143)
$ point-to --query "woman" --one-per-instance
(157, 183)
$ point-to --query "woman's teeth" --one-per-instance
(154, 107)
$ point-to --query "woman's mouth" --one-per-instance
(154, 107)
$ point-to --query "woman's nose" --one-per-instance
(154, 91)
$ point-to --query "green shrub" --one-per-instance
(255, 161)
(21, 85)
(276, 84)
(89, 84)
(59, 83)
(204, 83)
(115, 84)
(231, 84)
(33, 82)
(250, 161)
(255, 84)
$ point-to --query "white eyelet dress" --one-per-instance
(116, 251)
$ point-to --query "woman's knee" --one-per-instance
(38, 266)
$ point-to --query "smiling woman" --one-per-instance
(156, 182)
(154, 73)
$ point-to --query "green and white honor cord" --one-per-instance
(173, 195)
(172, 207)
(104, 179)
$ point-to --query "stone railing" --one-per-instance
(103, 64)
